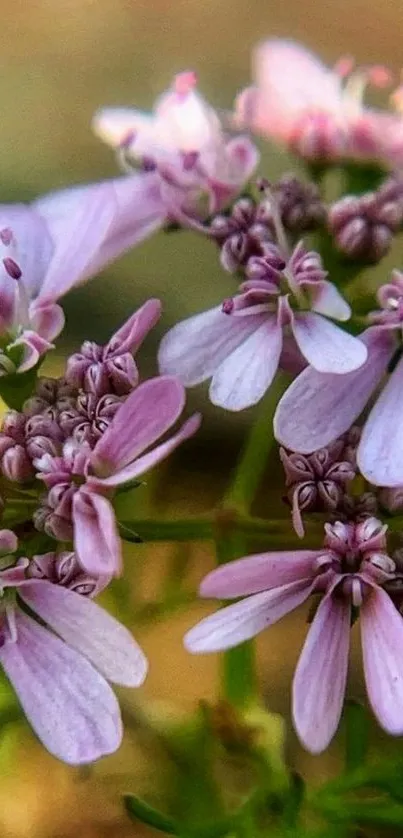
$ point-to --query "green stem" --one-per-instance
(218, 525)
(238, 674)
(238, 684)
(253, 459)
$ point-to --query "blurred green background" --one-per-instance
(59, 61)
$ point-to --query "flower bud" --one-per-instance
(16, 465)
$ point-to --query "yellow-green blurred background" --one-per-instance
(59, 61)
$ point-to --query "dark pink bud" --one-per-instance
(96, 379)
(122, 373)
(234, 252)
(330, 494)
(37, 446)
(14, 425)
(42, 567)
(16, 465)
(370, 535)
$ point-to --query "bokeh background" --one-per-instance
(59, 61)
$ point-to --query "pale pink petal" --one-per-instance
(8, 542)
(147, 461)
(47, 319)
(131, 335)
(68, 703)
(78, 220)
(380, 452)
(260, 572)
(243, 158)
(96, 538)
(34, 246)
(327, 300)
(118, 126)
(243, 378)
(89, 629)
(140, 212)
(243, 620)
(144, 417)
(327, 347)
(34, 347)
(290, 81)
(382, 648)
(320, 677)
(318, 408)
(194, 349)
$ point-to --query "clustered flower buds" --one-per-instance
(317, 481)
(363, 226)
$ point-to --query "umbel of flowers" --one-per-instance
(69, 445)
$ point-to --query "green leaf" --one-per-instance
(357, 730)
(15, 389)
(138, 809)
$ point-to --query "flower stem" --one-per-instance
(253, 459)
(238, 672)
(238, 681)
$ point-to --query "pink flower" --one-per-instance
(350, 570)
(302, 103)
(111, 368)
(317, 408)
(80, 482)
(59, 241)
(239, 344)
(60, 673)
(183, 140)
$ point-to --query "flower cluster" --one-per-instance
(68, 444)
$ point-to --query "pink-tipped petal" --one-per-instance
(68, 703)
(380, 452)
(290, 81)
(96, 538)
(260, 572)
(243, 378)
(116, 126)
(131, 335)
(34, 347)
(194, 349)
(382, 649)
(147, 414)
(243, 158)
(320, 677)
(318, 408)
(147, 461)
(46, 319)
(243, 620)
(89, 629)
(327, 300)
(327, 347)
